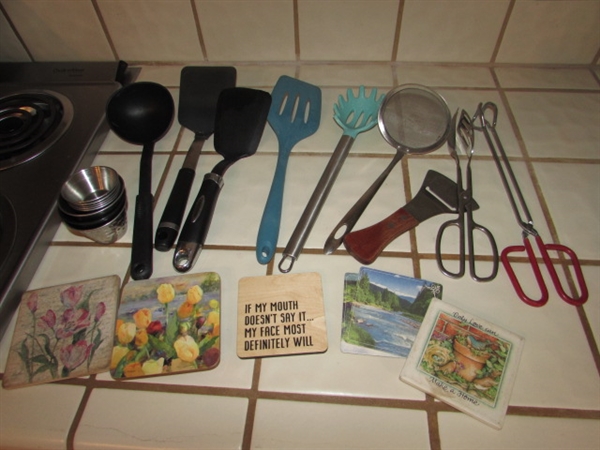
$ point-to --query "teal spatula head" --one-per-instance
(356, 114)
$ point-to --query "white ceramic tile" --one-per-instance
(551, 32)
(437, 76)
(144, 31)
(64, 264)
(464, 31)
(317, 426)
(231, 372)
(263, 76)
(557, 78)
(519, 432)
(379, 75)
(469, 100)
(60, 30)
(572, 192)
(24, 426)
(118, 419)
(554, 341)
(592, 307)
(11, 49)
(335, 372)
(560, 125)
(168, 75)
(248, 75)
(353, 30)
(247, 30)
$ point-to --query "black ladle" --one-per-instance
(142, 113)
(240, 120)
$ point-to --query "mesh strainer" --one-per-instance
(414, 120)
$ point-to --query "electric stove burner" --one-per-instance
(30, 123)
(52, 124)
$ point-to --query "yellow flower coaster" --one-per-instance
(63, 332)
(168, 325)
(281, 315)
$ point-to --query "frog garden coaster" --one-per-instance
(168, 325)
(464, 361)
(63, 332)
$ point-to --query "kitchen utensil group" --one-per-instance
(414, 119)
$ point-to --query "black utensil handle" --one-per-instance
(141, 252)
(194, 232)
(170, 221)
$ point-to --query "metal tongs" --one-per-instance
(512, 190)
(463, 136)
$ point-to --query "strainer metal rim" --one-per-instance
(399, 146)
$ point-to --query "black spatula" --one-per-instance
(239, 125)
(199, 91)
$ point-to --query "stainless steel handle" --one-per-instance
(315, 204)
(335, 239)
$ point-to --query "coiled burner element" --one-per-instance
(30, 122)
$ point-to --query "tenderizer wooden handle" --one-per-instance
(367, 244)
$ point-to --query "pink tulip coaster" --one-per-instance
(168, 325)
(63, 332)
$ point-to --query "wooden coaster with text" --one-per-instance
(281, 315)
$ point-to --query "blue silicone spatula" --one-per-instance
(295, 114)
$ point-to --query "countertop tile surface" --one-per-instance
(51, 429)
(160, 420)
(424, 35)
(548, 123)
(343, 426)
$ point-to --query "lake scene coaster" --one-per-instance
(168, 325)
(63, 332)
(383, 311)
(465, 361)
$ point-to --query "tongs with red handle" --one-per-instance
(543, 248)
(502, 163)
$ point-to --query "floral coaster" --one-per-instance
(168, 325)
(63, 332)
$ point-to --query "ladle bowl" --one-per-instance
(142, 113)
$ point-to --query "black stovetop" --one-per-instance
(29, 189)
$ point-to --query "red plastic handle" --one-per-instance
(583, 297)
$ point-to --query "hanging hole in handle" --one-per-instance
(265, 255)
(183, 260)
(138, 271)
(341, 232)
(289, 260)
(336, 238)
